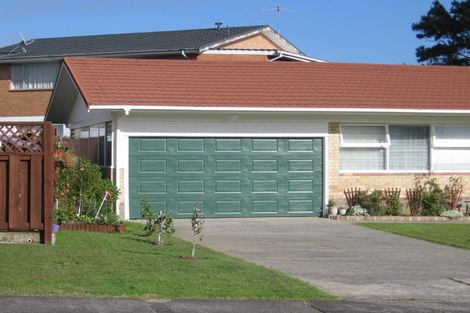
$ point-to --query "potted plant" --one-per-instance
(332, 209)
(342, 210)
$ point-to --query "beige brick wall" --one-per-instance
(21, 103)
(338, 182)
(122, 197)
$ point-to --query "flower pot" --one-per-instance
(342, 211)
(333, 211)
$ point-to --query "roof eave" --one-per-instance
(52, 58)
(128, 108)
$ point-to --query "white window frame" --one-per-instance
(386, 146)
(436, 146)
(379, 145)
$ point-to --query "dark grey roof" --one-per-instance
(150, 42)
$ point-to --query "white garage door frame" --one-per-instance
(225, 125)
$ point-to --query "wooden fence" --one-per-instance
(27, 177)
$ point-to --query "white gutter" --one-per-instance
(128, 108)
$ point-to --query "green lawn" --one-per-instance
(457, 235)
(128, 265)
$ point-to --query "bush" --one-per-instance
(393, 205)
(160, 223)
(373, 202)
(80, 192)
(433, 196)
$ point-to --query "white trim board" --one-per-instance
(156, 108)
(37, 118)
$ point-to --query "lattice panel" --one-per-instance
(19, 138)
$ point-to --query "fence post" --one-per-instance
(49, 173)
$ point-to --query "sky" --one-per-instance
(360, 31)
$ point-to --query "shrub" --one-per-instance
(160, 223)
(433, 198)
(373, 201)
(197, 219)
(357, 210)
(80, 192)
(452, 214)
(393, 205)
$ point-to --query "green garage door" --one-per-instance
(227, 176)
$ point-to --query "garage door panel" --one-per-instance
(227, 176)
(264, 145)
(228, 165)
(191, 145)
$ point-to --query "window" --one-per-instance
(30, 76)
(363, 147)
(384, 147)
(451, 148)
(94, 143)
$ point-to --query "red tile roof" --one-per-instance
(270, 84)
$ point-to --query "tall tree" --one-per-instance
(449, 31)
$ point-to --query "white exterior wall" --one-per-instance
(81, 116)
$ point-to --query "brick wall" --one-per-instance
(20, 103)
(338, 182)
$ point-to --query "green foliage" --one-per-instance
(161, 223)
(331, 203)
(373, 201)
(80, 191)
(393, 205)
(197, 219)
(433, 198)
(449, 30)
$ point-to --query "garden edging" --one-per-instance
(400, 218)
(99, 228)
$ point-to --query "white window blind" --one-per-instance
(30, 76)
(409, 147)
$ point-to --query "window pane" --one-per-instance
(451, 159)
(362, 159)
(34, 75)
(101, 144)
(363, 134)
(409, 147)
(93, 144)
(452, 136)
(109, 132)
(83, 142)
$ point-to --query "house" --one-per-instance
(262, 138)
(28, 70)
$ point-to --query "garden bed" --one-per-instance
(400, 218)
(97, 228)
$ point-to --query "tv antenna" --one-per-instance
(278, 10)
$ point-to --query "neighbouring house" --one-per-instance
(262, 138)
(28, 70)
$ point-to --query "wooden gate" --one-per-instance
(27, 177)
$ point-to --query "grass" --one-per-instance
(456, 235)
(129, 265)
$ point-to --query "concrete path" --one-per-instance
(344, 259)
(117, 305)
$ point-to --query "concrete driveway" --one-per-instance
(342, 258)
